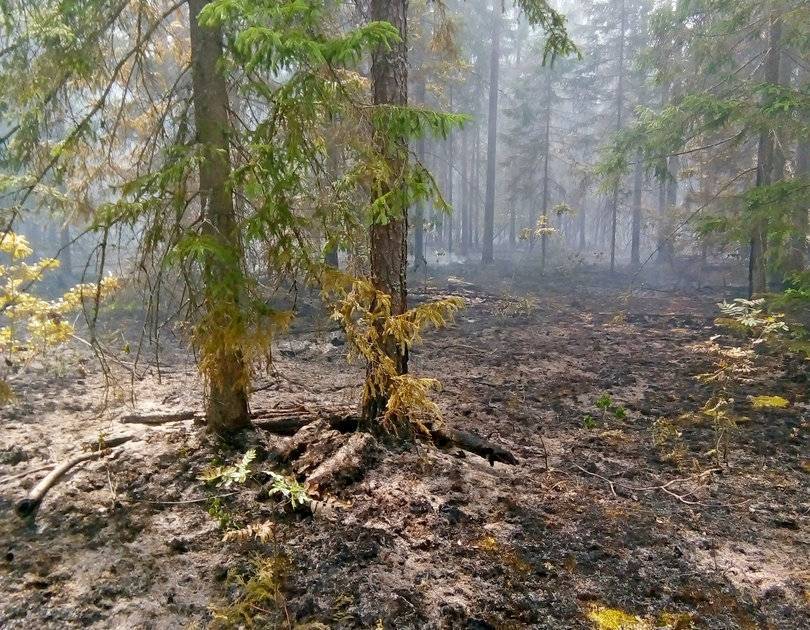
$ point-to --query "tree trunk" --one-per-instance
(488, 253)
(546, 160)
(476, 188)
(797, 255)
(757, 266)
(228, 376)
(418, 221)
(614, 206)
(465, 193)
(330, 255)
(638, 181)
(451, 166)
(389, 242)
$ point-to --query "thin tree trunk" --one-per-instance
(476, 188)
(451, 166)
(488, 253)
(638, 181)
(797, 255)
(614, 206)
(330, 255)
(389, 242)
(465, 193)
(546, 160)
(757, 265)
(419, 213)
(228, 375)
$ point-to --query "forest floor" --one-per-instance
(626, 518)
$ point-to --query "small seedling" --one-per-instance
(290, 489)
(589, 422)
(606, 405)
(224, 476)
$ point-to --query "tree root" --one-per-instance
(28, 506)
(289, 421)
(160, 418)
(443, 437)
(446, 436)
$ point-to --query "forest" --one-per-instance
(404, 314)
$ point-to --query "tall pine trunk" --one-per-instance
(638, 181)
(475, 190)
(451, 167)
(546, 160)
(420, 93)
(797, 254)
(227, 405)
(389, 242)
(465, 193)
(757, 263)
(614, 205)
(488, 253)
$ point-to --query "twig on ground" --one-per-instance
(665, 487)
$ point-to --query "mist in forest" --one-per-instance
(458, 314)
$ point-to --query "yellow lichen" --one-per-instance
(605, 618)
(769, 402)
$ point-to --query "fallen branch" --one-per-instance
(29, 505)
(663, 487)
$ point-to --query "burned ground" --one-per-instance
(629, 511)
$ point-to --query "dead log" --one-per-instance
(446, 436)
(29, 505)
(290, 425)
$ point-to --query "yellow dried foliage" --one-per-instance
(769, 402)
(375, 334)
(30, 324)
(263, 532)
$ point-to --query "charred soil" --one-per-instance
(605, 511)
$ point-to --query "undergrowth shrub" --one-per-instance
(30, 325)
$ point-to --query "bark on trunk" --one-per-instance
(614, 206)
(757, 265)
(420, 89)
(488, 253)
(465, 194)
(638, 181)
(227, 405)
(389, 242)
(546, 160)
(476, 189)
(451, 166)
(797, 256)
